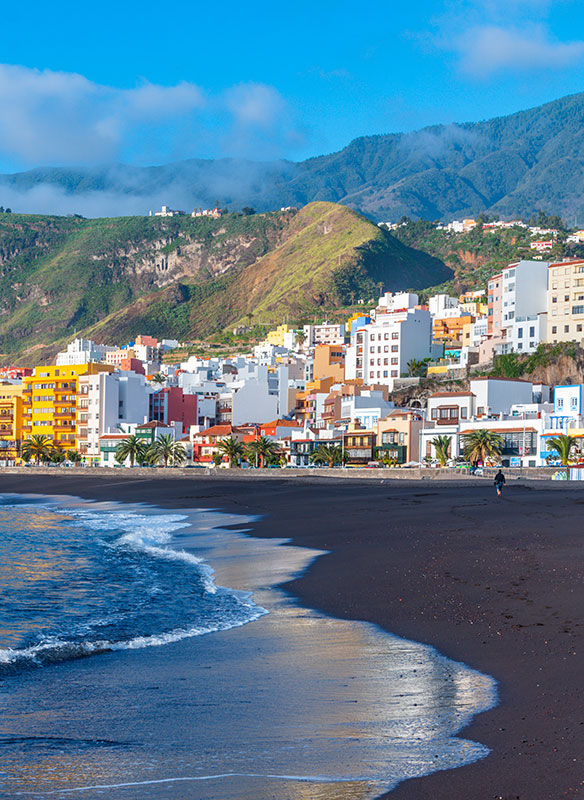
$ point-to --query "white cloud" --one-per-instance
(489, 49)
(49, 117)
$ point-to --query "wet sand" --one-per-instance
(496, 584)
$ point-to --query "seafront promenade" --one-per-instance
(206, 473)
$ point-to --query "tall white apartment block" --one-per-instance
(106, 402)
(382, 349)
(524, 293)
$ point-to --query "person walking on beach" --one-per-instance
(499, 483)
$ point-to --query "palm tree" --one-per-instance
(330, 454)
(232, 448)
(158, 378)
(481, 445)
(131, 447)
(262, 449)
(441, 445)
(563, 445)
(417, 369)
(39, 447)
(74, 456)
(300, 338)
(165, 449)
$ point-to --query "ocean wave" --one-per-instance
(54, 652)
(128, 536)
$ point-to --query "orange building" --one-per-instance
(450, 329)
(329, 362)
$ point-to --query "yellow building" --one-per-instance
(278, 337)
(50, 401)
(565, 311)
(10, 421)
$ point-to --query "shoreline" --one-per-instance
(492, 585)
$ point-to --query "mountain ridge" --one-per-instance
(511, 165)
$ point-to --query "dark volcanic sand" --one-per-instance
(494, 583)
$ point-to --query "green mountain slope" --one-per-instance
(512, 165)
(184, 277)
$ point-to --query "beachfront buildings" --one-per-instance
(517, 303)
(516, 410)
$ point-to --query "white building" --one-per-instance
(165, 211)
(366, 408)
(107, 401)
(443, 306)
(323, 334)
(382, 349)
(82, 351)
(524, 293)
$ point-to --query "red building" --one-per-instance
(132, 365)
(170, 405)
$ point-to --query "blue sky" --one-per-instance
(148, 84)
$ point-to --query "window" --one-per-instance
(573, 402)
(444, 413)
(395, 335)
(385, 373)
(554, 329)
(560, 402)
(532, 331)
(394, 360)
(520, 346)
(394, 373)
(394, 348)
(577, 309)
(566, 298)
(554, 299)
(480, 411)
(372, 337)
(520, 333)
(579, 328)
(386, 336)
(566, 329)
(434, 413)
(463, 413)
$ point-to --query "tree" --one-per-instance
(232, 449)
(168, 451)
(217, 459)
(563, 445)
(300, 338)
(441, 445)
(158, 378)
(58, 456)
(39, 447)
(132, 447)
(74, 456)
(417, 369)
(247, 211)
(481, 445)
(262, 449)
(330, 454)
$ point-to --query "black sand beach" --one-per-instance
(496, 584)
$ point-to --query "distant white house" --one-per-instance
(166, 212)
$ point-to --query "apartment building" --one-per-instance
(381, 350)
(329, 361)
(565, 307)
(106, 402)
(50, 397)
(524, 291)
(324, 334)
(11, 433)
